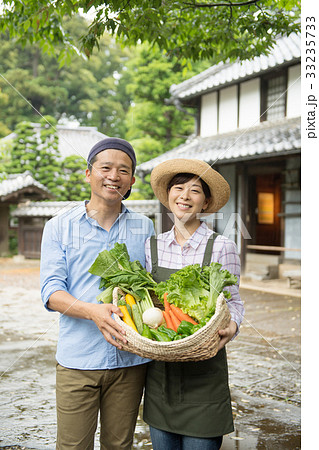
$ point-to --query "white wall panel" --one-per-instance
(294, 90)
(208, 121)
(228, 109)
(249, 103)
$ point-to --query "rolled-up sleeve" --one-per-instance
(229, 259)
(53, 267)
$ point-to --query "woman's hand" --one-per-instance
(226, 334)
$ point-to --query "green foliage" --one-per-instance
(33, 84)
(37, 152)
(153, 126)
(74, 186)
(116, 270)
(121, 92)
(24, 144)
(187, 29)
(5, 149)
(36, 149)
(47, 157)
(13, 241)
(145, 148)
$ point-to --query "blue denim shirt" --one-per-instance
(70, 244)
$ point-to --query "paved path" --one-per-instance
(264, 368)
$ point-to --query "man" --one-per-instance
(93, 374)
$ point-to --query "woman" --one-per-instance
(187, 405)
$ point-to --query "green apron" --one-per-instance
(189, 398)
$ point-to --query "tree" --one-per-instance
(48, 157)
(153, 126)
(188, 29)
(146, 148)
(4, 158)
(37, 152)
(36, 149)
(33, 84)
(147, 80)
(74, 186)
(23, 154)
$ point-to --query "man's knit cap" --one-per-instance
(113, 143)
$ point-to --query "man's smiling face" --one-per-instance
(110, 175)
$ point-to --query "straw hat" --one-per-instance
(164, 172)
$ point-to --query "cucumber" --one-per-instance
(137, 318)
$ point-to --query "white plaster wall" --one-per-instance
(294, 91)
(208, 122)
(224, 221)
(249, 103)
(228, 109)
(292, 225)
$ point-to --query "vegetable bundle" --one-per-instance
(195, 289)
(189, 296)
(116, 270)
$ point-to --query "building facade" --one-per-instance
(32, 216)
(248, 129)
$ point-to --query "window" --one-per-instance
(273, 96)
(266, 206)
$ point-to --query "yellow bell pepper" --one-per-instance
(130, 300)
(127, 318)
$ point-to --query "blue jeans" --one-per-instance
(163, 440)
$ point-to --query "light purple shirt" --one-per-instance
(172, 256)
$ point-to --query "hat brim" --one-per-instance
(164, 172)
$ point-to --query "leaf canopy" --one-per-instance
(219, 30)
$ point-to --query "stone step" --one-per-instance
(261, 258)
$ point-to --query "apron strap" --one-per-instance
(154, 255)
(209, 249)
(207, 255)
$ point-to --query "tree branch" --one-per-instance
(213, 5)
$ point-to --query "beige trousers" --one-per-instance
(82, 394)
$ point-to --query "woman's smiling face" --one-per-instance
(187, 199)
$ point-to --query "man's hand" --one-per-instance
(226, 334)
(101, 314)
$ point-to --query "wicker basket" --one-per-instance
(199, 346)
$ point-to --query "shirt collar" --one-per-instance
(170, 238)
(198, 235)
(195, 239)
(83, 213)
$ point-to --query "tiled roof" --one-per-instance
(78, 141)
(265, 140)
(287, 49)
(50, 209)
(73, 140)
(15, 183)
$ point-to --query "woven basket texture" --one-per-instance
(199, 346)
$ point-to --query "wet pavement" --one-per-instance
(264, 368)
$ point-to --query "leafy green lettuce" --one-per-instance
(195, 289)
(116, 270)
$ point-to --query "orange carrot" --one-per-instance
(175, 320)
(168, 320)
(181, 315)
(166, 304)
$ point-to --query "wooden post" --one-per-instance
(4, 229)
